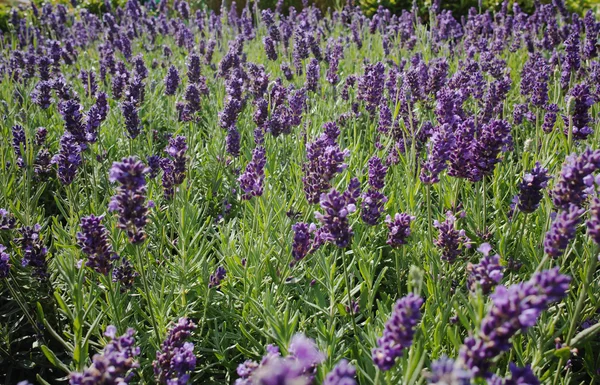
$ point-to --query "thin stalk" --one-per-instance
(147, 293)
(429, 215)
(23, 306)
(591, 269)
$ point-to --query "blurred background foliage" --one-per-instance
(458, 7)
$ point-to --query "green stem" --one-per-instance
(591, 269)
(147, 293)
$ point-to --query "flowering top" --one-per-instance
(530, 188)
(251, 181)
(114, 365)
(4, 262)
(450, 241)
(94, 242)
(33, 249)
(515, 308)
(574, 180)
(130, 201)
(399, 331)
(342, 374)
(487, 273)
(176, 357)
(335, 220)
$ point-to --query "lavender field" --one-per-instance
(300, 197)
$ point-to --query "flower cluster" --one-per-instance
(562, 231)
(216, 278)
(515, 308)
(398, 229)
(176, 357)
(94, 242)
(373, 199)
(487, 273)
(33, 249)
(130, 200)
(251, 181)
(7, 221)
(4, 262)
(174, 168)
(116, 363)
(530, 189)
(574, 180)
(450, 241)
(399, 331)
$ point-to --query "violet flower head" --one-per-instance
(132, 120)
(521, 376)
(193, 66)
(176, 149)
(176, 359)
(342, 374)
(440, 146)
(335, 220)
(251, 181)
(19, 140)
(94, 242)
(399, 331)
(550, 117)
(305, 352)
(4, 262)
(7, 220)
(216, 278)
(450, 241)
(130, 200)
(398, 229)
(68, 159)
(371, 86)
(446, 371)
(579, 101)
(495, 137)
(562, 231)
(372, 206)
(487, 273)
(530, 189)
(114, 365)
(270, 48)
(515, 308)
(232, 142)
(124, 274)
(575, 178)
(33, 249)
(42, 94)
(377, 171)
(306, 240)
(154, 165)
(313, 75)
(71, 113)
(172, 81)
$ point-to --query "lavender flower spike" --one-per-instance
(450, 241)
(251, 181)
(114, 365)
(94, 242)
(399, 331)
(487, 273)
(342, 374)
(130, 200)
(530, 188)
(4, 262)
(562, 231)
(398, 229)
(176, 357)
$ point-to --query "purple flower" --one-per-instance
(251, 181)
(216, 278)
(521, 376)
(4, 262)
(176, 358)
(270, 49)
(68, 159)
(232, 142)
(19, 141)
(377, 171)
(574, 179)
(171, 81)
(325, 159)
(94, 242)
(42, 94)
(71, 113)
(304, 240)
(550, 118)
(312, 75)
(494, 138)
(7, 221)
(114, 366)
(562, 231)
(90, 85)
(132, 120)
(154, 165)
(342, 374)
(95, 116)
(176, 149)
(450, 241)
(33, 249)
(579, 101)
(445, 371)
(130, 200)
(371, 86)
(372, 206)
(399, 331)
(398, 229)
(487, 273)
(193, 68)
(514, 308)
(440, 147)
(530, 189)
(305, 351)
(335, 220)
(124, 274)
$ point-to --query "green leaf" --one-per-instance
(53, 359)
